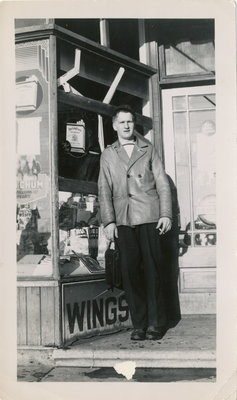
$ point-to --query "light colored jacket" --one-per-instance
(133, 191)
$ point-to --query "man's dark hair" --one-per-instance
(124, 108)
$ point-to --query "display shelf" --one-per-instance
(73, 100)
(77, 186)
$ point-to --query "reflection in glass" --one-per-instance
(33, 219)
(187, 57)
(202, 132)
(179, 103)
(205, 239)
(195, 145)
(201, 102)
(80, 232)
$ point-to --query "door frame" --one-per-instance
(197, 267)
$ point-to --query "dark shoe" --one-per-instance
(138, 334)
(153, 333)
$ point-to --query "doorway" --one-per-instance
(189, 137)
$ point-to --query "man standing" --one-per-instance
(136, 208)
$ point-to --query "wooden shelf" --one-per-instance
(77, 186)
(86, 103)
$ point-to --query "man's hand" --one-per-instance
(111, 231)
(164, 225)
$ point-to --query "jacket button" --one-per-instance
(128, 176)
(139, 176)
(129, 195)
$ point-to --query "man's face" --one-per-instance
(124, 125)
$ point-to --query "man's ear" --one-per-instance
(114, 126)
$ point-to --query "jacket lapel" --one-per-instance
(139, 151)
(121, 154)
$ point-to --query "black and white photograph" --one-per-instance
(123, 186)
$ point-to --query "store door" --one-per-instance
(189, 148)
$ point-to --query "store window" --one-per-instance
(84, 129)
(195, 146)
(186, 47)
(81, 237)
(189, 58)
(82, 242)
(33, 218)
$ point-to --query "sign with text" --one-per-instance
(88, 309)
(32, 189)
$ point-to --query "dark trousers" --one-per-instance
(142, 273)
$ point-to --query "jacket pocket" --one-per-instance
(152, 192)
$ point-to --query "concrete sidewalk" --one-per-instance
(190, 346)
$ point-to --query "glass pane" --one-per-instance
(186, 58)
(182, 167)
(203, 146)
(33, 215)
(201, 102)
(179, 103)
(82, 241)
(205, 239)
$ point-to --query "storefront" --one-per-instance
(70, 74)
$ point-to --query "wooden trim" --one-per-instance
(54, 189)
(34, 28)
(34, 278)
(21, 317)
(144, 57)
(35, 33)
(38, 316)
(54, 154)
(194, 272)
(26, 35)
(187, 81)
(142, 42)
(58, 322)
(104, 32)
(48, 322)
(86, 103)
(33, 283)
(190, 76)
(162, 68)
(33, 315)
(155, 95)
(83, 278)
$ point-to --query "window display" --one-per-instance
(82, 243)
(195, 138)
(33, 217)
